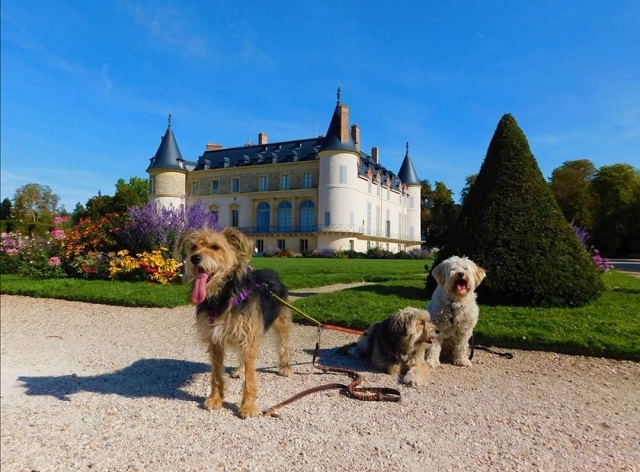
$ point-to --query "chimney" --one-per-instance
(344, 123)
(262, 138)
(212, 147)
(374, 154)
(355, 135)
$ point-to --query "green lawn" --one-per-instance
(608, 327)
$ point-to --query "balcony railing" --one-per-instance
(301, 229)
(349, 229)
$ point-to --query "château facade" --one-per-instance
(303, 194)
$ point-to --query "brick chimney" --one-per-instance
(374, 154)
(262, 138)
(212, 147)
(355, 135)
(344, 123)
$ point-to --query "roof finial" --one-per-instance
(169, 119)
(407, 147)
(338, 95)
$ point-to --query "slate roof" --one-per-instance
(168, 155)
(407, 172)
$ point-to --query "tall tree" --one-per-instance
(35, 203)
(571, 186)
(5, 209)
(133, 193)
(464, 193)
(439, 212)
(511, 225)
(617, 225)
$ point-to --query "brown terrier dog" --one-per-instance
(235, 307)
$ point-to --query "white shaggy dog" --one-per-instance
(453, 309)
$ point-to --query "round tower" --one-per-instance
(167, 172)
(408, 176)
(338, 174)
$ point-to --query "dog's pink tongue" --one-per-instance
(461, 287)
(199, 292)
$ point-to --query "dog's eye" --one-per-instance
(215, 247)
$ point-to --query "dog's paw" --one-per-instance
(463, 362)
(414, 380)
(213, 403)
(237, 373)
(285, 371)
(248, 411)
(433, 363)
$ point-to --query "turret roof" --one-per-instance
(332, 139)
(407, 172)
(168, 154)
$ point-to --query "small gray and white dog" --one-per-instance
(453, 309)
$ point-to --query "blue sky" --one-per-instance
(87, 86)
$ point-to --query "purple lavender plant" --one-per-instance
(583, 235)
(153, 225)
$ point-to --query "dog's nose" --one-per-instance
(437, 331)
(195, 259)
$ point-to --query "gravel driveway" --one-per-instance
(94, 387)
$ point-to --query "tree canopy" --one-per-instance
(35, 203)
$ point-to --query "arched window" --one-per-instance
(307, 216)
(284, 216)
(215, 209)
(263, 220)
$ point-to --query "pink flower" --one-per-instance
(54, 261)
(58, 220)
(58, 234)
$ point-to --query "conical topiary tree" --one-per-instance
(511, 225)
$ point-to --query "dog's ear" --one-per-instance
(178, 249)
(438, 273)
(479, 274)
(239, 240)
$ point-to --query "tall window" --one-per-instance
(368, 218)
(343, 174)
(216, 211)
(281, 244)
(263, 221)
(235, 218)
(215, 187)
(327, 218)
(194, 188)
(306, 180)
(304, 245)
(307, 216)
(284, 216)
(387, 223)
(264, 183)
(235, 185)
(260, 245)
(284, 182)
(152, 185)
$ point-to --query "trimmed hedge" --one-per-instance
(512, 226)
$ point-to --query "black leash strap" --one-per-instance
(473, 347)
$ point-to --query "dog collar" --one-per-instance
(217, 310)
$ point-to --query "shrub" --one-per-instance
(152, 225)
(601, 263)
(156, 266)
(511, 225)
(378, 253)
(31, 256)
(85, 248)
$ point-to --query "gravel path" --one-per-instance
(94, 387)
